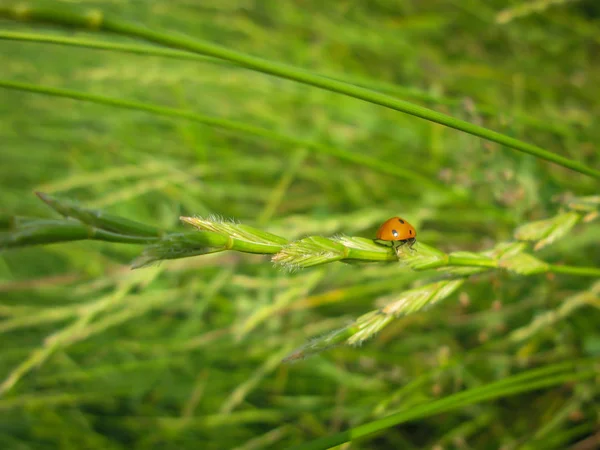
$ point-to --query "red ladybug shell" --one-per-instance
(396, 229)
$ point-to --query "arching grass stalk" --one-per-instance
(96, 20)
(215, 234)
(368, 325)
(389, 88)
(384, 167)
(534, 379)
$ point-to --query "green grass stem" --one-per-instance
(44, 232)
(100, 219)
(526, 382)
(393, 89)
(96, 20)
(384, 167)
(571, 270)
(216, 235)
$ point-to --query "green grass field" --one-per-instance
(288, 131)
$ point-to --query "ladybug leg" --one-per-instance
(397, 245)
(410, 243)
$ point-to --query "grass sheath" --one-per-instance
(100, 219)
(96, 20)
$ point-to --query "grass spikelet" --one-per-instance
(505, 250)
(367, 326)
(308, 252)
(423, 256)
(411, 301)
(547, 231)
(181, 245)
(587, 204)
(524, 264)
(526, 9)
(319, 344)
(240, 237)
(359, 243)
(234, 230)
(371, 323)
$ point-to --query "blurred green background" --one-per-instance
(186, 353)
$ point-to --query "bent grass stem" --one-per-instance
(96, 20)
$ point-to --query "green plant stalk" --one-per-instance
(353, 254)
(451, 260)
(384, 167)
(12, 223)
(20, 232)
(459, 261)
(252, 247)
(45, 232)
(217, 235)
(571, 270)
(458, 401)
(96, 20)
(509, 386)
(100, 219)
(150, 50)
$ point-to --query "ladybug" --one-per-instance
(397, 231)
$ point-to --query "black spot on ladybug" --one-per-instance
(394, 233)
(401, 221)
(409, 231)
